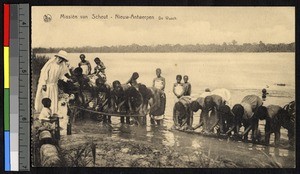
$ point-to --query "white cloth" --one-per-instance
(224, 93)
(85, 69)
(178, 88)
(159, 84)
(205, 94)
(45, 114)
(50, 74)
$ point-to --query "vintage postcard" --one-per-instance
(163, 87)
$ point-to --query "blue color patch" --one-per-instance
(6, 151)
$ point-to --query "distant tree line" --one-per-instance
(134, 48)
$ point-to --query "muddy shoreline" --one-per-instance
(114, 152)
(133, 146)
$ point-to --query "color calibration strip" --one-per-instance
(7, 163)
(16, 87)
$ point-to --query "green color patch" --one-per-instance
(6, 109)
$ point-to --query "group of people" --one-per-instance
(57, 68)
(217, 116)
(57, 74)
(133, 97)
(86, 67)
(182, 89)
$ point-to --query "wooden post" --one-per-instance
(57, 128)
(69, 127)
(93, 147)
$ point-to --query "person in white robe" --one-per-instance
(55, 69)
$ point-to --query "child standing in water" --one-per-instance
(187, 86)
(178, 88)
(159, 81)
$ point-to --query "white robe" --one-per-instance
(224, 93)
(85, 69)
(205, 94)
(50, 74)
(45, 114)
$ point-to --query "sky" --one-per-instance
(193, 25)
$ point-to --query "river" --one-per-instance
(241, 73)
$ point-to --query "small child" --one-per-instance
(46, 114)
(178, 88)
(264, 94)
(187, 86)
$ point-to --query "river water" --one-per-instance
(241, 73)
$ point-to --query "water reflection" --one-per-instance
(157, 137)
(169, 138)
(124, 131)
(190, 143)
(277, 152)
(127, 131)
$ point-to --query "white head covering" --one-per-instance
(62, 54)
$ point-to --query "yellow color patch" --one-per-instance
(6, 67)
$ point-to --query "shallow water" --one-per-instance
(241, 73)
(188, 144)
(213, 70)
(239, 152)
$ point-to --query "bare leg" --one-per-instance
(255, 131)
(267, 138)
(127, 120)
(204, 115)
(246, 131)
(221, 124)
(267, 133)
(277, 138)
(152, 120)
